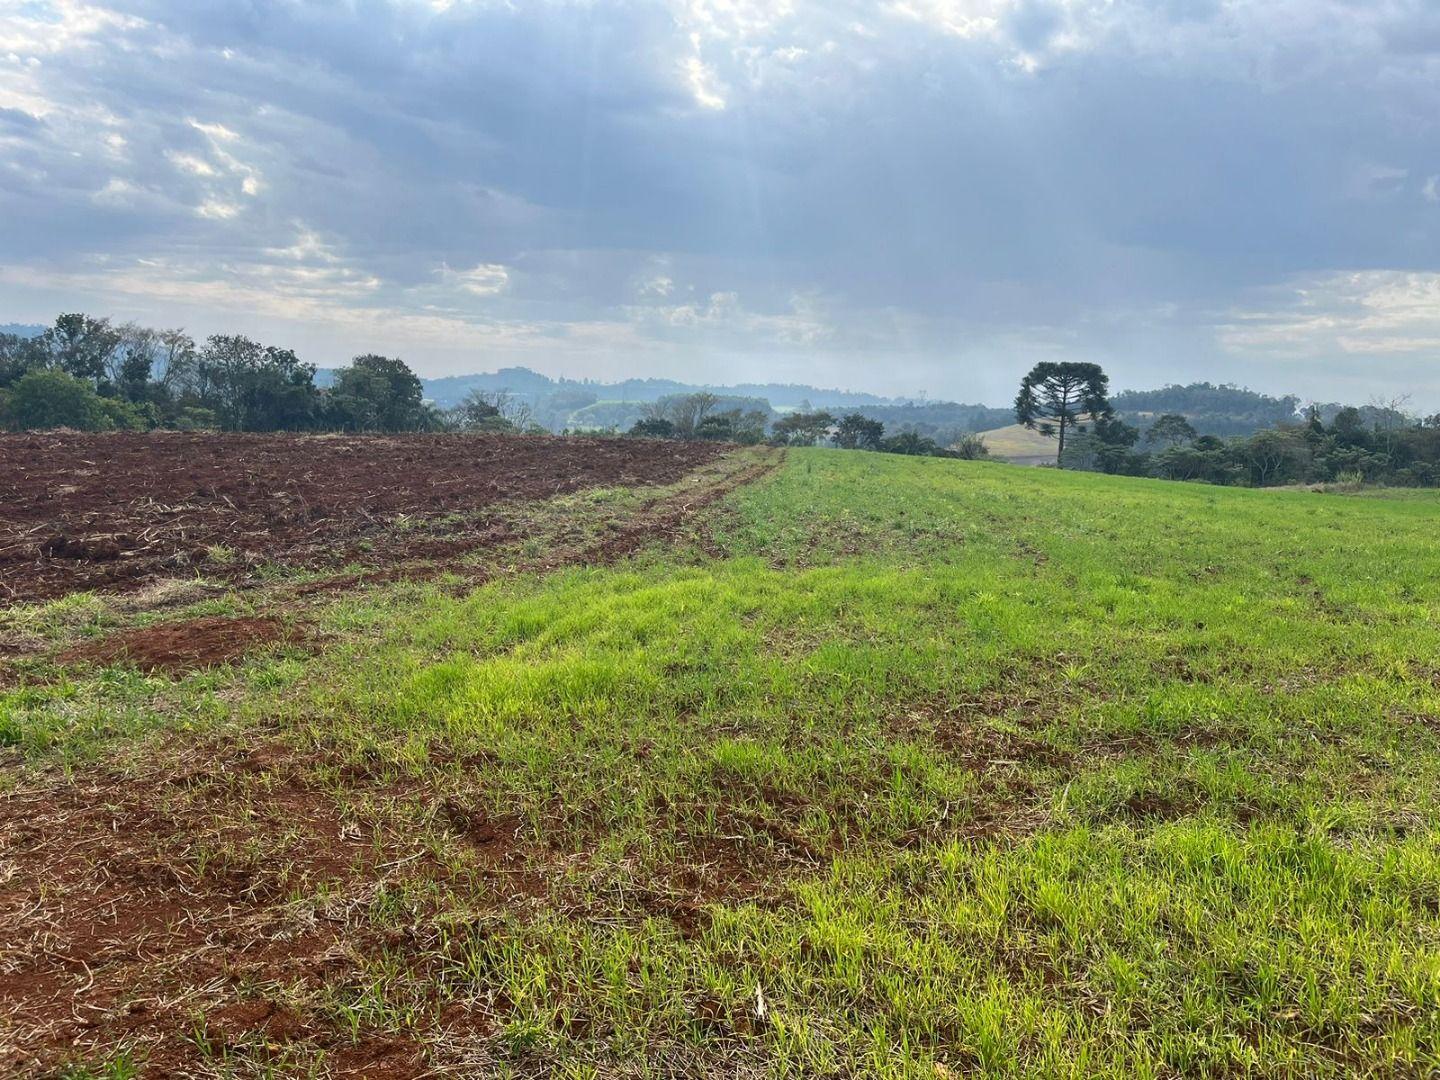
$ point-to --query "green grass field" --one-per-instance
(898, 767)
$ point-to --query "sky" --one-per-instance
(919, 196)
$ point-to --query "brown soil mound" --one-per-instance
(182, 646)
(112, 511)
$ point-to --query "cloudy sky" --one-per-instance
(895, 196)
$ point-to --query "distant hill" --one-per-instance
(1019, 445)
(522, 381)
(1213, 409)
(621, 415)
(1224, 409)
(451, 389)
(1371, 416)
(943, 421)
(781, 396)
(588, 403)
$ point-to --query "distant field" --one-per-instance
(835, 764)
(1020, 445)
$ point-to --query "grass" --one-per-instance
(915, 768)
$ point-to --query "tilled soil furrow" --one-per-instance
(112, 512)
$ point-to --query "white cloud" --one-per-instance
(217, 210)
(723, 319)
(226, 163)
(34, 30)
(191, 164)
(1369, 312)
(737, 21)
(225, 182)
(487, 279)
(117, 192)
(704, 86)
(309, 247)
(217, 133)
(962, 18)
(1372, 181)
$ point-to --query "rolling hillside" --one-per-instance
(1019, 445)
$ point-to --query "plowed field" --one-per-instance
(114, 511)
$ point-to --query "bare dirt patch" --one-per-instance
(85, 511)
(145, 909)
(981, 746)
(176, 647)
(673, 518)
(212, 905)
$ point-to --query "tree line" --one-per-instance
(1211, 409)
(94, 375)
(1375, 444)
(703, 416)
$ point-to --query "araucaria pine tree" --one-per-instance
(1058, 398)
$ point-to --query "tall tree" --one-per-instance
(254, 387)
(378, 393)
(1057, 398)
(652, 427)
(50, 398)
(175, 364)
(130, 365)
(858, 432)
(1171, 429)
(19, 355)
(1274, 456)
(81, 346)
(802, 428)
(490, 411)
(686, 412)
(970, 447)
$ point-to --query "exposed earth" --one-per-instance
(106, 512)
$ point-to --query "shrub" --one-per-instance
(50, 398)
(128, 415)
(194, 418)
(971, 447)
(652, 427)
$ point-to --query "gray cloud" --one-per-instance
(929, 194)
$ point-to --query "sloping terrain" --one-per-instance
(846, 764)
(1019, 445)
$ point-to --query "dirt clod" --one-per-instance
(91, 549)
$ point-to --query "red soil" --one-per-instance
(113, 511)
(181, 646)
